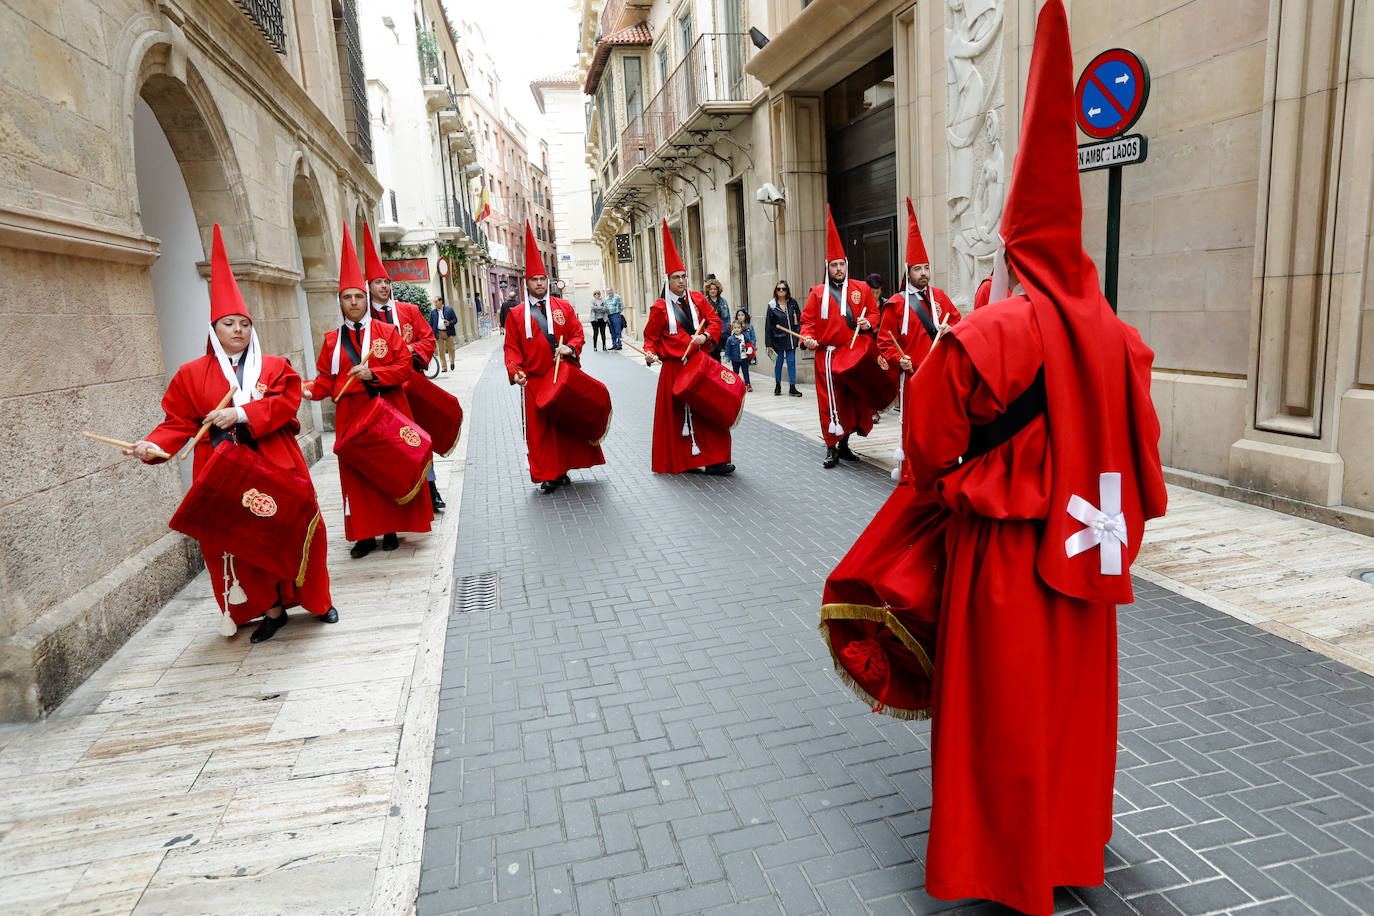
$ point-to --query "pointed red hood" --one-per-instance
(375, 269)
(534, 264)
(672, 263)
(350, 273)
(915, 247)
(834, 248)
(225, 297)
(1099, 420)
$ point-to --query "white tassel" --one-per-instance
(898, 456)
(686, 426)
(227, 627)
(234, 593)
(836, 428)
(695, 449)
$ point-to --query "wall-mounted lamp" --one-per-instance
(758, 38)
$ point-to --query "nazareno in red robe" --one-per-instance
(552, 452)
(1025, 700)
(833, 332)
(672, 451)
(368, 511)
(195, 390)
(415, 330)
(915, 343)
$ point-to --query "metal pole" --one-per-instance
(1113, 233)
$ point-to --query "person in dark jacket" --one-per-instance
(715, 295)
(443, 321)
(783, 312)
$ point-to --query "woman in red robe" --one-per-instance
(682, 441)
(261, 416)
(534, 329)
(368, 511)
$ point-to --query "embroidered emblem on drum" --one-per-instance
(854, 296)
(259, 503)
(728, 377)
(409, 436)
(557, 316)
(379, 348)
(407, 333)
(882, 363)
(261, 387)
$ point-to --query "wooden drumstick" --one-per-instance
(896, 344)
(129, 445)
(701, 327)
(557, 358)
(205, 427)
(349, 381)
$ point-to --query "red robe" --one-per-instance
(197, 389)
(369, 512)
(672, 451)
(915, 343)
(1025, 700)
(552, 452)
(415, 331)
(832, 332)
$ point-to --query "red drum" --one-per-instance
(240, 503)
(437, 412)
(858, 370)
(714, 393)
(389, 449)
(577, 403)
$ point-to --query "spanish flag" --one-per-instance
(484, 205)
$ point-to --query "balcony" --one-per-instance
(267, 19)
(450, 121)
(619, 14)
(389, 229)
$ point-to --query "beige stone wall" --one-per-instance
(87, 553)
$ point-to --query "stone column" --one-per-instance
(798, 136)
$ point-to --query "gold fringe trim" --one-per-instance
(874, 704)
(402, 500)
(885, 617)
(604, 431)
(305, 551)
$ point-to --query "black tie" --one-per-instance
(386, 314)
(358, 336)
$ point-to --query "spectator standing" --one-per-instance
(442, 320)
(783, 313)
(599, 316)
(615, 313)
(506, 306)
(750, 337)
(737, 351)
(715, 296)
(876, 282)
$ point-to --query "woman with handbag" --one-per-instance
(783, 314)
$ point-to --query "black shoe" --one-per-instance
(832, 457)
(564, 480)
(268, 628)
(390, 541)
(548, 486)
(362, 548)
(844, 451)
(794, 392)
(330, 616)
(777, 390)
(719, 470)
(435, 499)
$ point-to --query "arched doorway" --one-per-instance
(316, 292)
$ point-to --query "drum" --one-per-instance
(389, 449)
(243, 504)
(715, 394)
(857, 369)
(437, 412)
(577, 403)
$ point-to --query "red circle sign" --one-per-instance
(443, 267)
(1111, 94)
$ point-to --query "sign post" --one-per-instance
(1111, 95)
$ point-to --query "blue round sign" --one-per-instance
(1111, 93)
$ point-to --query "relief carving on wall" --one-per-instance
(973, 136)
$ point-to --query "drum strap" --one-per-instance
(1028, 405)
(542, 320)
(845, 310)
(346, 341)
(684, 321)
(923, 312)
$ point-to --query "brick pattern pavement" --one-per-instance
(648, 721)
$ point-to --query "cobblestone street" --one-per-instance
(637, 714)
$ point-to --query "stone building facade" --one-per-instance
(131, 127)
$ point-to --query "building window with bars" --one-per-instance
(267, 18)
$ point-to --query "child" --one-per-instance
(737, 350)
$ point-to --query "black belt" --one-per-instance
(1028, 405)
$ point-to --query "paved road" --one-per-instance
(645, 719)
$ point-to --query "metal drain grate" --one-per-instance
(476, 593)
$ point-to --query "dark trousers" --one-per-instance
(617, 325)
(741, 367)
(599, 332)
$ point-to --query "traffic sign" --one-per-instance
(443, 267)
(1127, 150)
(1111, 94)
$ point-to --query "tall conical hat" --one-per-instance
(376, 270)
(350, 273)
(834, 248)
(672, 263)
(225, 297)
(534, 264)
(915, 247)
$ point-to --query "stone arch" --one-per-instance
(317, 262)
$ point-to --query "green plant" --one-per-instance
(415, 295)
(393, 252)
(457, 257)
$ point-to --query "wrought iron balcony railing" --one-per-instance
(267, 18)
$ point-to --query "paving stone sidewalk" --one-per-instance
(643, 718)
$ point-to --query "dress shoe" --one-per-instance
(719, 470)
(748, 387)
(832, 457)
(362, 548)
(794, 392)
(435, 499)
(330, 616)
(564, 480)
(268, 628)
(777, 390)
(844, 451)
(390, 541)
(548, 486)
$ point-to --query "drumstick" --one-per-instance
(896, 344)
(349, 381)
(129, 445)
(205, 427)
(701, 327)
(558, 358)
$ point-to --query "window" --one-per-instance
(601, 120)
(684, 33)
(610, 106)
(663, 65)
(634, 93)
